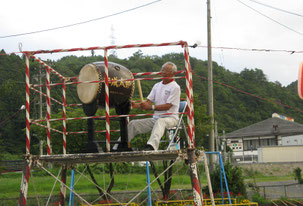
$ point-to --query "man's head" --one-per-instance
(169, 69)
(170, 65)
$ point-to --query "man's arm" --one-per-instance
(147, 104)
(162, 107)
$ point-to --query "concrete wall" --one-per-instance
(271, 169)
(280, 154)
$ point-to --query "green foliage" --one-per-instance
(260, 199)
(297, 173)
(234, 178)
(233, 109)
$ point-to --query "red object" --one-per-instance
(300, 81)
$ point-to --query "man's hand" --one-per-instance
(146, 105)
(135, 105)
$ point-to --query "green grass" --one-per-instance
(10, 183)
(262, 178)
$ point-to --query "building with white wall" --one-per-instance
(275, 131)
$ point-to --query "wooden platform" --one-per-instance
(110, 157)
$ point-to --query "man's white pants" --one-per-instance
(157, 126)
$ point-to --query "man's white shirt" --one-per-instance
(163, 94)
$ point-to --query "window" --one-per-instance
(248, 144)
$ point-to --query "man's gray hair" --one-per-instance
(174, 67)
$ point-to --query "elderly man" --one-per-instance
(163, 98)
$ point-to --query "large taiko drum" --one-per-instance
(120, 92)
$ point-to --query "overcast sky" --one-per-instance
(233, 25)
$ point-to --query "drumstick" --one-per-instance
(141, 98)
(140, 90)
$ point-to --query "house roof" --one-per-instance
(269, 127)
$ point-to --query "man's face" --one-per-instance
(167, 71)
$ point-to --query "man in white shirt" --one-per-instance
(163, 98)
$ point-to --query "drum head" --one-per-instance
(87, 92)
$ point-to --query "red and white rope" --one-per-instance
(139, 74)
(48, 110)
(35, 90)
(104, 117)
(154, 73)
(52, 129)
(104, 48)
(113, 80)
(107, 102)
(27, 86)
(46, 65)
(64, 116)
(98, 131)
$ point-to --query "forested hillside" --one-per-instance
(234, 107)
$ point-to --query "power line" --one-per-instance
(214, 47)
(269, 6)
(250, 94)
(79, 23)
(255, 50)
(289, 28)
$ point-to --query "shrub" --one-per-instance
(297, 173)
(259, 199)
(234, 178)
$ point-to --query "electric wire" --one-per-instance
(250, 94)
(221, 48)
(80, 23)
(221, 55)
(269, 6)
(289, 28)
(255, 50)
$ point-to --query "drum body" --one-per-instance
(120, 92)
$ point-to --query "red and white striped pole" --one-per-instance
(48, 110)
(64, 116)
(189, 98)
(198, 199)
(62, 187)
(64, 167)
(27, 86)
(27, 163)
(107, 102)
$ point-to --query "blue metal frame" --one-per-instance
(149, 200)
(225, 180)
(71, 192)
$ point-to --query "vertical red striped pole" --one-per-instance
(24, 182)
(27, 85)
(192, 159)
(107, 102)
(27, 163)
(64, 167)
(189, 98)
(198, 199)
(48, 110)
(64, 116)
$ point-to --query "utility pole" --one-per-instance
(216, 137)
(210, 89)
